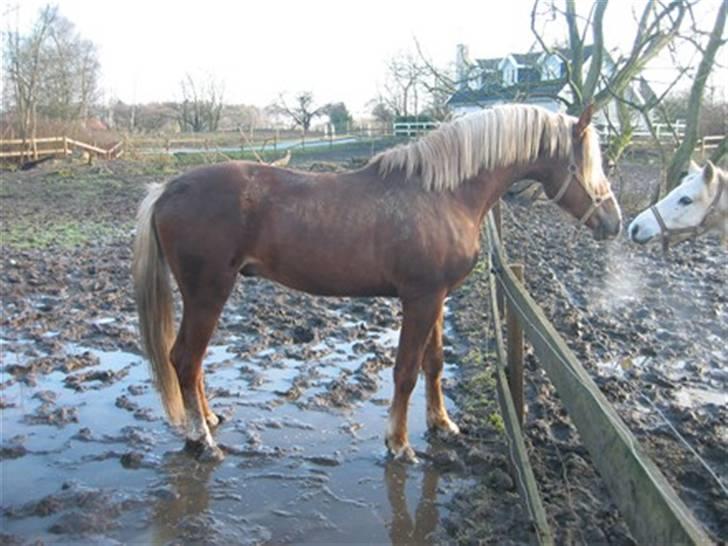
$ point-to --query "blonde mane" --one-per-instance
(498, 137)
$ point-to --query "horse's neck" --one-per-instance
(489, 186)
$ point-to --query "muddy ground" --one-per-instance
(304, 383)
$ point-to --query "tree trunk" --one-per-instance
(685, 150)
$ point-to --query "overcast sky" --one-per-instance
(336, 49)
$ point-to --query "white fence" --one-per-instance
(413, 128)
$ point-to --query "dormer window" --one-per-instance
(552, 68)
(510, 74)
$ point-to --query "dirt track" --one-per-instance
(304, 383)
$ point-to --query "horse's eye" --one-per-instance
(685, 200)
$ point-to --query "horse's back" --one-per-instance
(324, 233)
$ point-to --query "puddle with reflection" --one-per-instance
(300, 466)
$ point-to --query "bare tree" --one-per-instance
(52, 73)
(403, 87)
(25, 64)
(202, 102)
(687, 146)
(380, 111)
(658, 24)
(414, 86)
(302, 112)
(71, 78)
(691, 105)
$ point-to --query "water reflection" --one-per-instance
(186, 496)
(184, 511)
(403, 530)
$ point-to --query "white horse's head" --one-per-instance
(683, 208)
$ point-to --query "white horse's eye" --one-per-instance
(685, 200)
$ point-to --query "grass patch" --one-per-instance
(496, 421)
(63, 233)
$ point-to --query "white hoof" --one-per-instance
(403, 453)
(443, 425)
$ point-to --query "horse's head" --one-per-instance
(580, 186)
(683, 209)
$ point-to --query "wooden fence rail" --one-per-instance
(29, 149)
(649, 505)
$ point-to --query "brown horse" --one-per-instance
(406, 225)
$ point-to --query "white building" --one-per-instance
(533, 78)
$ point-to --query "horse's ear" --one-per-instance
(708, 172)
(693, 167)
(584, 121)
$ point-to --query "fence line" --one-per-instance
(413, 128)
(29, 148)
(649, 505)
(520, 465)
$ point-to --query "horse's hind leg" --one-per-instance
(212, 418)
(201, 313)
(432, 364)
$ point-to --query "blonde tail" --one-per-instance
(155, 306)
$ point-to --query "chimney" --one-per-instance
(462, 66)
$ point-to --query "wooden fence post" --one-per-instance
(65, 146)
(515, 351)
(498, 216)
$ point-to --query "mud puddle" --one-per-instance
(87, 457)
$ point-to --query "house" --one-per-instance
(533, 78)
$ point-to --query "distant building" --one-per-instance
(533, 78)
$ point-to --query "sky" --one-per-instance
(336, 49)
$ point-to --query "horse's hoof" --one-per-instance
(444, 427)
(403, 453)
(211, 454)
(214, 420)
(194, 447)
(203, 451)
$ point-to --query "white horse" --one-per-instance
(698, 205)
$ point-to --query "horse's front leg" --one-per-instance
(432, 364)
(419, 315)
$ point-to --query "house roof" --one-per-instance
(488, 64)
(518, 92)
(494, 91)
(527, 59)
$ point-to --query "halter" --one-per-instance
(596, 201)
(667, 234)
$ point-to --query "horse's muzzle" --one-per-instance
(609, 222)
(638, 234)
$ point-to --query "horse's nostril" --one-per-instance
(635, 229)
